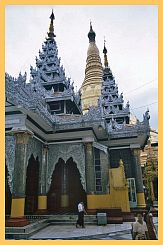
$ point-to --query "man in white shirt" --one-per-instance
(81, 212)
(140, 231)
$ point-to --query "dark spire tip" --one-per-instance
(52, 17)
(104, 50)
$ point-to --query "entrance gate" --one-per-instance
(66, 189)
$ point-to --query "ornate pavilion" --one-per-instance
(63, 147)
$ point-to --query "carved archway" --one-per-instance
(65, 151)
(32, 181)
(66, 189)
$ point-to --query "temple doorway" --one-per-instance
(66, 189)
(32, 180)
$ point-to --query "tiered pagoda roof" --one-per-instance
(51, 75)
(110, 101)
(49, 88)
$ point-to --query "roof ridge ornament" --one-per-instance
(51, 34)
(105, 55)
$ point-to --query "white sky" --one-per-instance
(131, 34)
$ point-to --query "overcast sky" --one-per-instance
(131, 34)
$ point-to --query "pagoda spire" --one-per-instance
(51, 27)
(111, 102)
(91, 86)
(105, 55)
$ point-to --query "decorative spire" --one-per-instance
(91, 34)
(91, 86)
(105, 55)
(51, 27)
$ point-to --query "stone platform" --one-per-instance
(53, 228)
(38, 222)
(72, 233)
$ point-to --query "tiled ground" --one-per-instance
(62, 232)
(91, 232)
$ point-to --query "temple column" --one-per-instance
(89, 168)
(19, 180)
(42, 197)
(138, 179)
(64, 194)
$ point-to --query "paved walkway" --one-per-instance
(91, 232)
(71, 232)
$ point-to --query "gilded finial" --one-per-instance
(120, 162)
(105, 55)
(51, 27)
(91, 34)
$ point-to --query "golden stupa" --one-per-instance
(91, 87)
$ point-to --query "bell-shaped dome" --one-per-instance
(92, 49)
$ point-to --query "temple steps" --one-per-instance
(71, 219)
(114, 216)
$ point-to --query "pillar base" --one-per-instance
(17, 222)
(141, 206)
(140, 200)
(42, 202)
(42, 211)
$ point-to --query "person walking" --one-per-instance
(81, 212)
(140, 230)
(148, 218)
